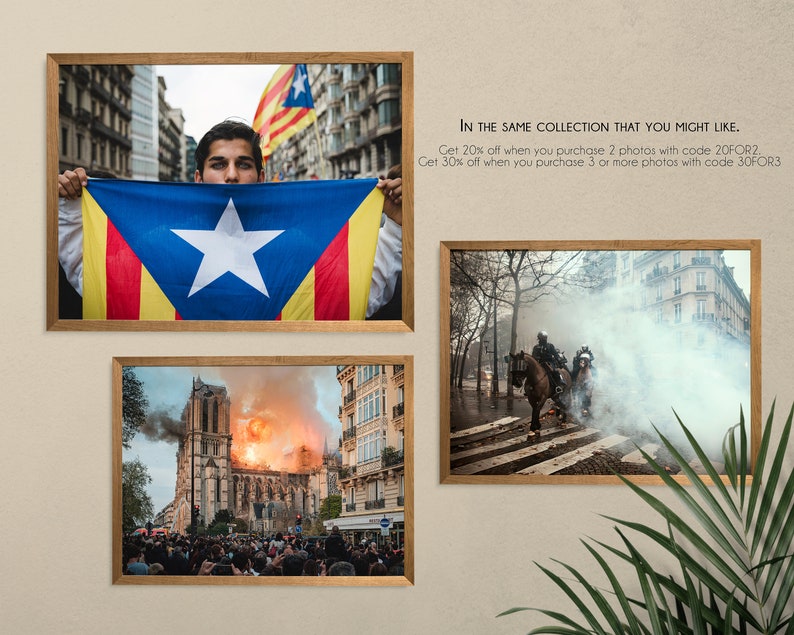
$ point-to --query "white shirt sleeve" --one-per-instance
(70, 240)
(388, 264)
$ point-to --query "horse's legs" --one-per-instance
(535, 425)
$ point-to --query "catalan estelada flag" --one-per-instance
(285, 108)
(301, 250)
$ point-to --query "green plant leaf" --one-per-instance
(780, 507)
(733, 548)
(574, 596)
(757, 484)
(632, 622)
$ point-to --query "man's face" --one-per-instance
(230, 161)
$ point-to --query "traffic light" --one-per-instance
(298, 520)
(196, 511)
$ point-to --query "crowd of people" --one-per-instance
(274, 555)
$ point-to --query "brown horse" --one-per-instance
(582, 391)
(538, 389)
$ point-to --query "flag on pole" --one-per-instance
(299, 250)
(285, 108)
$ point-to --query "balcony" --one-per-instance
(701, 260)
(346, 472)
(700, 287)
(398, 369)
(393, 458)
(703, 317)
(350, 397)
(350, 507)
(64, 107)
(401, 501)
(376, 504)
(398, 410)
(348, 434)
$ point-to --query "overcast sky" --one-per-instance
(210, 93)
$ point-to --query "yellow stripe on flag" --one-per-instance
(95, 227)
(154, 304)
(362, 241)
(301, 305)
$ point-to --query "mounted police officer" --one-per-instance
(548, 355)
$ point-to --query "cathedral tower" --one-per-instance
(204, 463)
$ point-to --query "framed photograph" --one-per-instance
(308, 225)
(559, 358)
(256, 470)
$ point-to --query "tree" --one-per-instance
(331, 507)
(136, 505)
(223, 516)
(134, 405)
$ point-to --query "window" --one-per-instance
(700, 281)
(369, 407)
(701, 310)
(387, 74)
(676, 260)
(677, 285)
(388, 112)
(677, 310)
(365, 373)
(369, 447)
(375, 490)
(658, 291)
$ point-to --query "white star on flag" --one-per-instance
(228, 248)
(299, 83)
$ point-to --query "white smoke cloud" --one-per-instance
(643, 374)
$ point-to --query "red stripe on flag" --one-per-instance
(276, 91)
(332, 281)
(275, 131)
(123, 272)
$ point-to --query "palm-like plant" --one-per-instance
(733, 550)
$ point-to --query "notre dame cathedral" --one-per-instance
(207, 477)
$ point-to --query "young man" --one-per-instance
(230, 153)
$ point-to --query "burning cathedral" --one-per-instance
(210, 478)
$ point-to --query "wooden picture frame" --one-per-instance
(650, 304)
(240, 412)
(64, 134)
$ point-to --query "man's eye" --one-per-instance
(218, 165)
(245, 165)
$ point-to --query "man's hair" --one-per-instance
(228, 130)
(292, 565)
(342, 568)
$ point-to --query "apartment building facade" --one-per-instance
(372, 476)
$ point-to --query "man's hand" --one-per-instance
(206, 567)
(71, 183)
(393, 204)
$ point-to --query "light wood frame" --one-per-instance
(751, 245)
(118, 363)
(404, 58)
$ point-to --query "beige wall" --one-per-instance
(510, 61)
